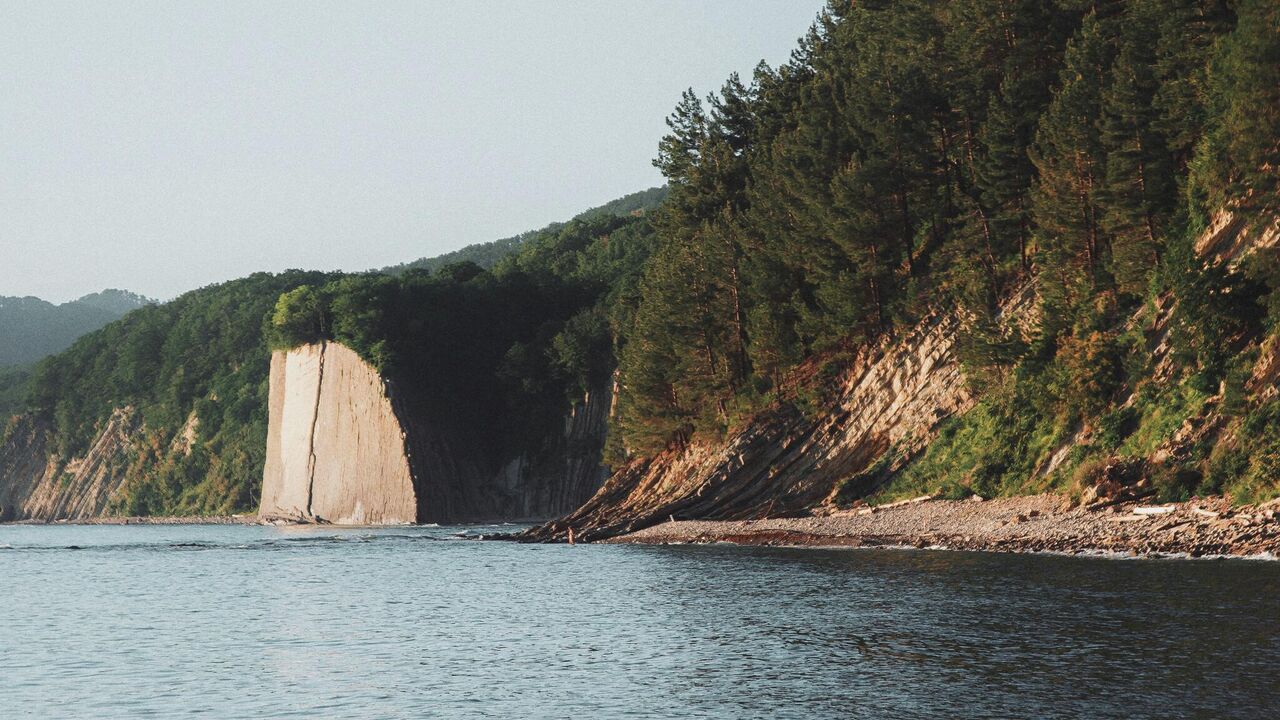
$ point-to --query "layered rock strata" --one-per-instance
(887, 407)
(38, 485)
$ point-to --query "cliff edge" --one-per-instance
(335, 447)
(343, 447)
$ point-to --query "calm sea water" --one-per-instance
(256, 622)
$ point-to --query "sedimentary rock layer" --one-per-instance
(37, 485)
(784, 461)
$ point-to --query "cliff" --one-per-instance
(38, 485)
(886, 410)
(344, 447)
(891, 398)
(335, 448)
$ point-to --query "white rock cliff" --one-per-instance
(335, 447)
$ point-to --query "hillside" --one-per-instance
(828, 317)
(968, 248)
(166, 410)
(486, 255)
(31, 328)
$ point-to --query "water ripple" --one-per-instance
(263, 622)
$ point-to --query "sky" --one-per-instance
(163, 146)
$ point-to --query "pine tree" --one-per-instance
(1138, 193)
(1236, 164)
(1071, 164)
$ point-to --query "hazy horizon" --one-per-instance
(158, 148)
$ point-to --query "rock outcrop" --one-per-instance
(38, 485)
(886, 407)
(344, 447)
(335, 448)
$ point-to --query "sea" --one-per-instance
(247, 621)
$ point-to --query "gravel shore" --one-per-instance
(158, 520)
(1040, 523)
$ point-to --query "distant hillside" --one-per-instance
(486, 255)
(114, 301)
(31, 328)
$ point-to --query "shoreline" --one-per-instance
(148, 520)
(1208, 528)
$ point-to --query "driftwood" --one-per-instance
(900, 503)
(1154, 509)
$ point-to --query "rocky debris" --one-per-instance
(1116, 481)
(1205, 527)
(1231, 238)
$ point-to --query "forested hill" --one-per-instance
(506, 349)
(486, 255)
(31, 328)
(918, 156)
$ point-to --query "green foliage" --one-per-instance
(1249, 469)
(994, 449)
(496, 356)
(1088, 374)
(487, 255)
(299, 318)
(1159, 415)
(1236, 164)
(924, 155)
(14, 386)
(204, 352)
(910, 158)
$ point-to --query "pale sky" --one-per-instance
(162, 146)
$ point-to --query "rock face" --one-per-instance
(342, 447)
(887, 406)
(35, 485)
(335, 448)
(886, 409)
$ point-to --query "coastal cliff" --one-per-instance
(889, 404)
(39, 485)
(885, 407)
(343, 447)
(335, 448)
(784, 461)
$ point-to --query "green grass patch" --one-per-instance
(992, 450)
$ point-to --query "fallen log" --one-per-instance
(900, 503)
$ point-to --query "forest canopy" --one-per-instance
(923, 155)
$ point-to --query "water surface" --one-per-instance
(259, 622)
